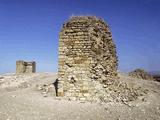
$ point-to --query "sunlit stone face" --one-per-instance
(87, 57)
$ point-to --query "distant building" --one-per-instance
(25, 67)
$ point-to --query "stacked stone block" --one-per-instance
(87, 58)
(25, 67)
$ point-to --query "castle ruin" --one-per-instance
(87, 58)
(25, 67)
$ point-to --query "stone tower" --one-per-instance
(25, 67)
(87, 57)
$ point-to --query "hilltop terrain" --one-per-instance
(23, 98)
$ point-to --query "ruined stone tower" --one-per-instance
(87, 57)
(25, 67)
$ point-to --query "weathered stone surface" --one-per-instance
(141, 74)
(87, 58)
(25, 67)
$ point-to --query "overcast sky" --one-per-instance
(29, 30)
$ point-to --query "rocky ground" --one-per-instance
(25, 97)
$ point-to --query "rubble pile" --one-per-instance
(117, 91)
(141, 74)
(47, 89)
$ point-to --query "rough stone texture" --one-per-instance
(25, 67)
(87, 58)
(141, 74)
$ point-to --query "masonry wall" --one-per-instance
(25, 67)
(87, 58)
(30, 67)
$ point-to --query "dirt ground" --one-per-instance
(21, 100)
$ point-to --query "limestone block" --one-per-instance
(87, 54)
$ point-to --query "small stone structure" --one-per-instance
(87, 58)
(25, 67)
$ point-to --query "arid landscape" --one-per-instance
(22, 99)
(79, 60)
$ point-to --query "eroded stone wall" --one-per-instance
(87, 58)
(25, 67)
